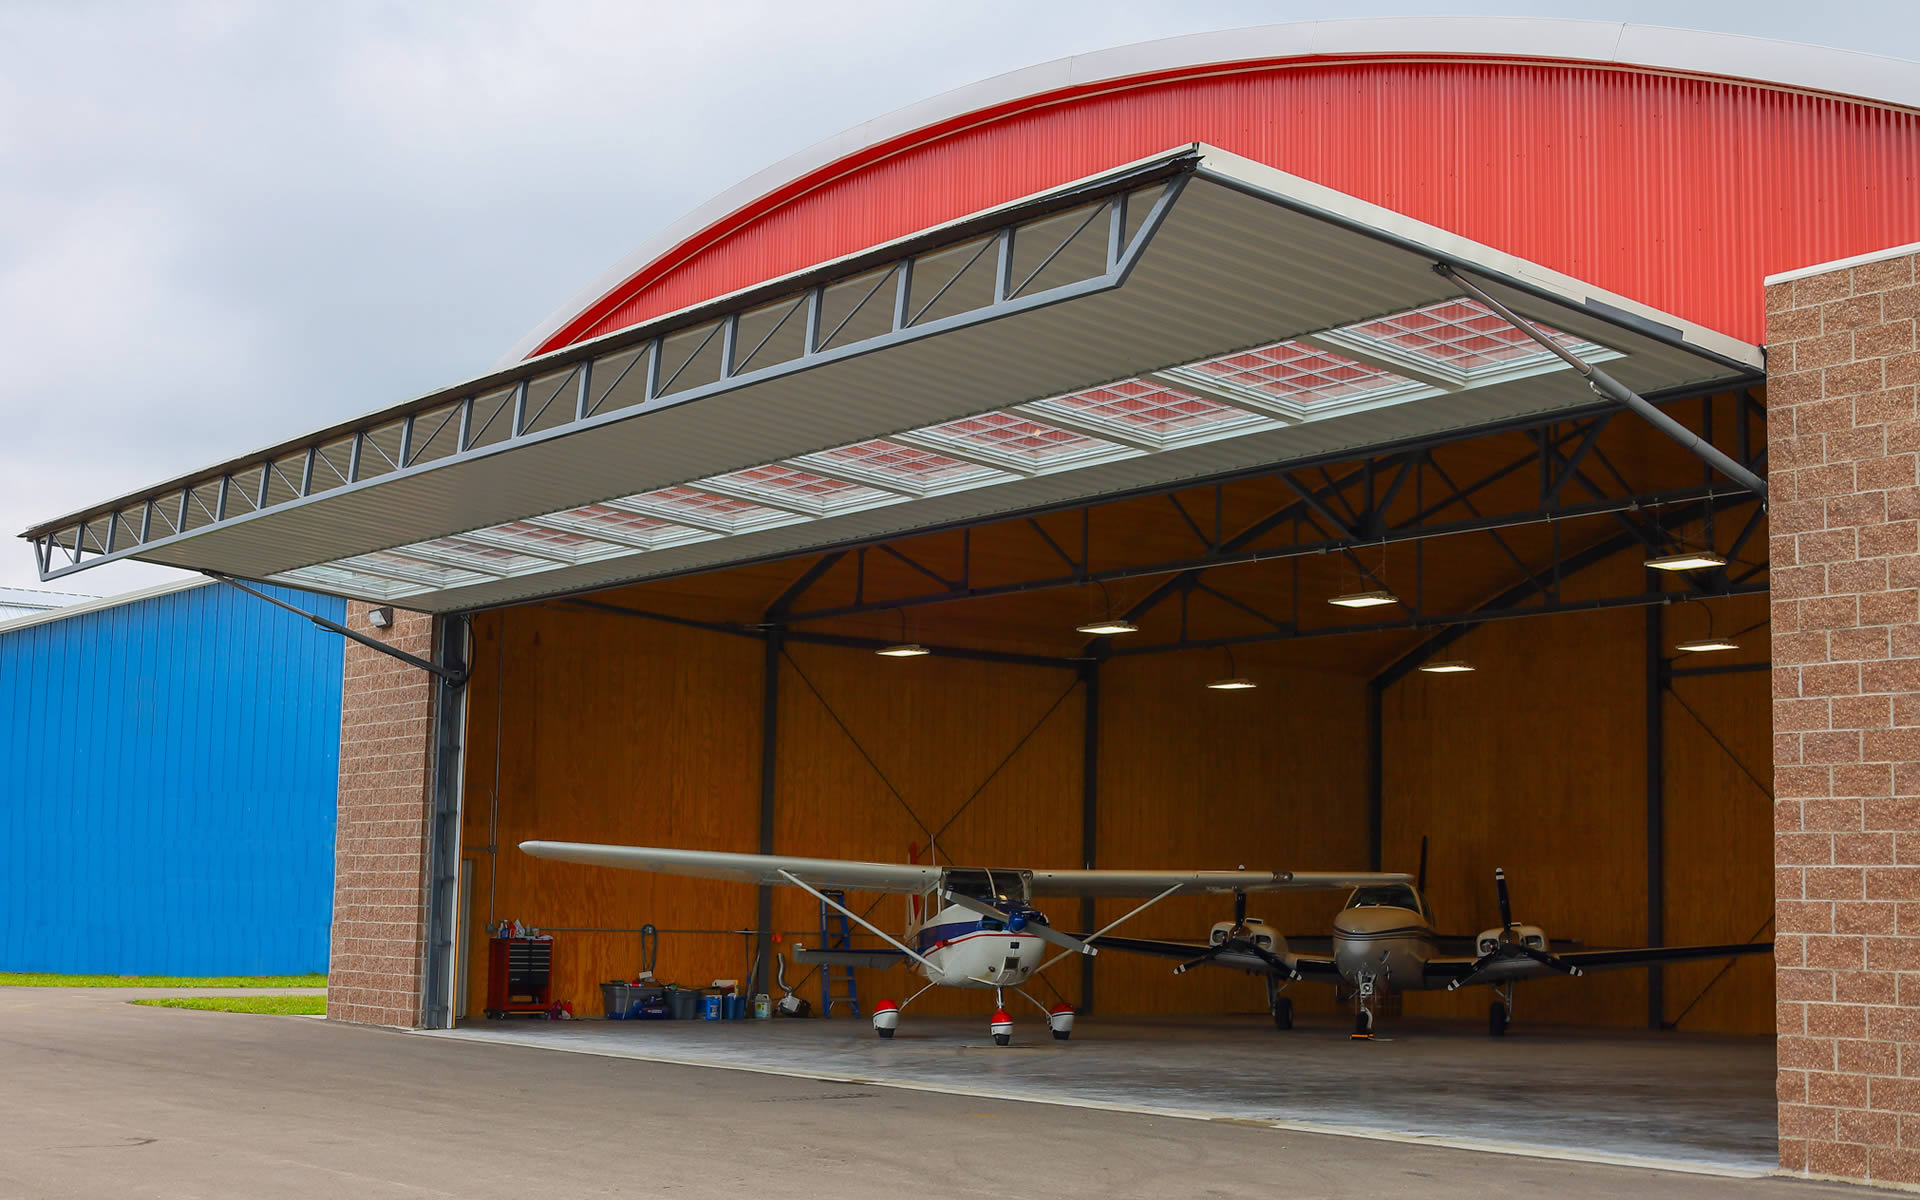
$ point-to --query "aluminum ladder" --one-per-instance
(836, 933)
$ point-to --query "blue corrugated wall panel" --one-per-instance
(168, 789)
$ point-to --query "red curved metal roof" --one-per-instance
(1677, 188)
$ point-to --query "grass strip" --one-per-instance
(304, 1006)
(30, 979)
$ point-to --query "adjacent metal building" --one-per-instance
(168, 800)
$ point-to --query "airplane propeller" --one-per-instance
(1239, 940)
(1017, 921)
(1509, 946)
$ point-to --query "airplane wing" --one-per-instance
(848, 958)
(1444, 970)
(828, 873)
(1317, 967)
(1194, 883)
(909, 878)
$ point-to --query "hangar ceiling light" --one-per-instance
(903, 650)
(1687, 560)
(1447, 666)
(1107, 627)
(1183, 318)
(1707, 645)
(1373, 599)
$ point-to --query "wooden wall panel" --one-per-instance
(1534, 762)
(613, 730)
(1719, 772)
(1272, 778)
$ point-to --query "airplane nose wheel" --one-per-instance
(1363, 1023)
(1500, 1012)
(1280, 1006)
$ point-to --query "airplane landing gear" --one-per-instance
(1363, 1006)
(1500, 1012)
(1280, 1006)
(886, 1018)
(1362, 1024)
(1002, 1025)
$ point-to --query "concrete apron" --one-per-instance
(1674, 1102)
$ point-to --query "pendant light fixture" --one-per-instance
(1687, 560)
(903, 648)
(1447, 666)
(1709, 643)
(1232, 681)
(1108, 625)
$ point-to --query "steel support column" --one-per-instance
(1089, 810)
(1376, 771)
(769, 766)
(1656, 807)
(437, 975)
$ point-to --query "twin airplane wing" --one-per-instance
(1445, 969)
(911, 879)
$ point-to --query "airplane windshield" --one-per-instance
(1386, 895)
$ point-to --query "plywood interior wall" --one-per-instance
(600, 727)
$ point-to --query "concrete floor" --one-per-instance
(1705, 1103)
(104, 1099)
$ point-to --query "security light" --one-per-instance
(1447, 666)
(1687, 560)
(380, 618)
(1365, 599)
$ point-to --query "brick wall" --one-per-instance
(380, 849)
(1842, 440)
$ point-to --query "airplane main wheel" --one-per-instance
(1002, 1039)
(884, 1032)
(1497, 1020)
(1283, 1012)
(1363, 1024)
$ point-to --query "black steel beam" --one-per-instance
(798, 588)
(1089, 811)
(1376, 773)
(769, 781)
(1656, 808)
(453, 677)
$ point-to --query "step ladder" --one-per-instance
(836, 933)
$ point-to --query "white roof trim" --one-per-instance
(103, 603)
(1765, 61)
(1841, 264)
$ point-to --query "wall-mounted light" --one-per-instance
(1447, 666)
(1687, 560)
(380, 618)
(1373, 599)
(1232, 681)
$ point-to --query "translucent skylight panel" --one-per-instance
(706, 507)
(1299, 373)
(1138, 406)
(779, 481)
(332, 575)
(1017, 438)
(905, 464)
(387, 564)
(478, 556)
(1459, 333)
(619, 524)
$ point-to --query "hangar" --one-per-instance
(1222, 337)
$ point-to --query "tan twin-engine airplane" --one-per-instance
(1384, 941)
(967, 927)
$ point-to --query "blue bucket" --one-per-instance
(714, 1006)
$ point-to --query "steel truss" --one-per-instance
(1071, 244)
(1340, 509)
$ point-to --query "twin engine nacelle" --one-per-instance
(1256, 931)
(1531, 936)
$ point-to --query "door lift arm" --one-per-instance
(1611, 388)
(452, 677)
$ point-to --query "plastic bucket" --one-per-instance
(685, 1003)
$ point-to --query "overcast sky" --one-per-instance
(224, 224)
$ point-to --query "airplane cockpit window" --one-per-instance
(1386, 895)
(995, 885)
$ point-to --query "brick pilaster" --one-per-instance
(1843, 435)
(380, 851)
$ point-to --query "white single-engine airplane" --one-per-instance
(967, 927)
(1384, 940)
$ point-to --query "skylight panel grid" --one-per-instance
(1300, 373)
(780, 483)
(1461, 334)
(914, 466)
(1134, 406)
(1019, 440)
(478, 556)
(703, 509)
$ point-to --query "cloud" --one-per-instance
(226, 223)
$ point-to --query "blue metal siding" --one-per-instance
(168, 789)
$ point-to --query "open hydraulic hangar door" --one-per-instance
(1177, 320)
